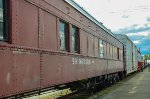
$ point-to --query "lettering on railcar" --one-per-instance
(82, 61)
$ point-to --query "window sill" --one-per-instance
(3, 42)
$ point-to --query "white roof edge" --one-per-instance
(84, 12)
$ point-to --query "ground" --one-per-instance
(136, 86)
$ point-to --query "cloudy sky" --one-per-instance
(130, 17)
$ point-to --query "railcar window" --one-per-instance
(75, 39)
(101, 48)
(118, 53)
(113, 52)
(64, 34)
(1, 20)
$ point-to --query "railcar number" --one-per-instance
(82, 61)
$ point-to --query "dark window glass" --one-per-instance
(64, 34)
(75, 39)
(118, 53)
(1, 20)
(112, 51)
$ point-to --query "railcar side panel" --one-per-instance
(128, 53)
(105, 50)
(108, 52)
(27, 20)
(84, 43)
(90, 45)
(58, 69)
(129, 56)
(27, 71)
(96, 54)
(48, 31)
(7, 75)
(50, 70)
(135, 58)
(114, 66)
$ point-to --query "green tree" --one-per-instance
(147, 56)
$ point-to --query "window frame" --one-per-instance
(77, 39)
(118, 54)
(113, 54)
(5, 20)
(66, 35)
(101, 46)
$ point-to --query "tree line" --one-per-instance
(147, 57)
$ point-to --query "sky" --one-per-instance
(130, 17)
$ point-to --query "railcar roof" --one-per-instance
(124, 35)
(84, 12)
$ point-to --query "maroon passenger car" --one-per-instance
(44, 43)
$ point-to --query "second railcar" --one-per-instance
(131, 56)
(128, 53)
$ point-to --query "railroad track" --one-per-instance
(52, 94)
